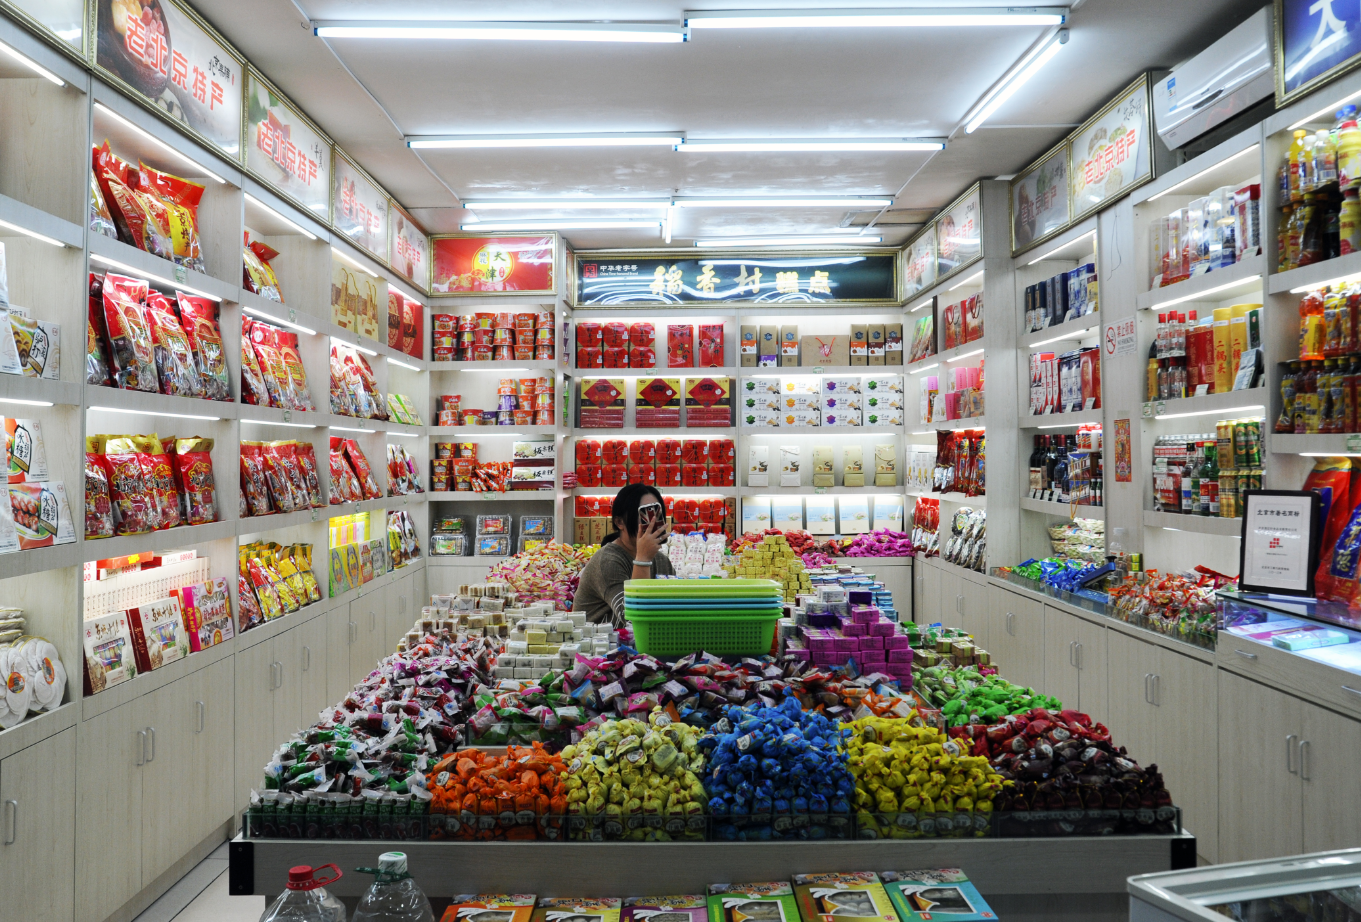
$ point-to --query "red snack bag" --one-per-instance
(159, 478)
(615, 335)
(344, 484)
(641, 334)
(722, 475)
(281, 495)
(287, 454)
(616, 451)
(694, 475)
(254, 486)
(587, 451)
(711, 345)
(297, 374)
(132, 499)
(180, 198)
(96, 363)
(145, 218)
(307, 463)
(588, 334)
(98, 501)
(642, 357)
(195, 466)
(109, 168)
(589, 475)
(614, 475)
(253, 389)
(694, 451)
(271, 364)
(175, 364)
(199, 318)
(642, 451)
(134, 360)
(668, 475)
(355, 455)
(642, 473)
(680, 346)
(668, 451)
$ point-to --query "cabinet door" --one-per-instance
(919, 568)
(975, 613)
(109, 758)
(212, 721)
(286, 675)
(931, 598)
(339, 637)
(38, 819)
(1091, 666)
(1132, 717)
(1260, 794)
(253, 716)
(1185, 705)
(311, 671)
(166, 835)
(1332, 787)
(1019, 635)
(1060, 657)
(950, 600)
(398, 608)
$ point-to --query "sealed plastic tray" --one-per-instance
(492, 545)
(493, 524)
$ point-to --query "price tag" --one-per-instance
(181, 274)
(819, 490)
(1202, 390)
(292, 315)
(817, 369)
(1354, 443)
(288, 416)
(1159, 408)
(1148, 411)
(1090, 404)
(360, 423)
(316, 515)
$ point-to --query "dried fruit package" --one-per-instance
(265, 591)
(37, 345)
(307, 463)
(108, 168)
(353, 385)
(341, 402)
(134, 359)
(253, 388)
(101, 222)
(96, 365)
(344, 484)
(355, 454)
(297, 375)
(259, 275)
(145, 218)
(180, 198)
(248, 609)
(370, 385)
(253, 483)
(175, 365)
(287, 454)
(271, 365)
(98, 503)
(159, 477)
(26, 450)
(133, 500)
(168, 449)
(281, 493)
(301, 555)
(42, 517)
(199, 316)
(195, 465)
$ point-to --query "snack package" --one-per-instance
(158, 634)
(253, 389)
(37, 345)
(342, 402)
(134, 359)
(307, 464)
(106, 168)
(344, 484)
(762, 902)
(270, 361)
(287, 344)
(101, 222)
(846, 895)
(257, 274)
(180, 198)
(143, 220)
(98, 502)
(175, 365)
(287, 452)
(195, 465)
(254, 486)
(501, 907)
(355, 455)
(109, 659)
(577, 909)
(677, 908)
(42, 517)
(938, 894)
(199, 317)
(248, 609)
(96, 363)
(159, 478)
(133, 500)
(207, 612)
(26, 450)
(266, 592)
(281, 493)
(9, 354)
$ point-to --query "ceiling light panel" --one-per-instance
(565, 224)
(460, 142)
(646, 32)
(780, 145)
(811, 201)
(819, 240)
(548, 204)
(1017, 77)
(864, 19)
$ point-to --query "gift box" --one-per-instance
(615, 357)
(602, 403)
(668, 475)
(668, 451)
(615, 335)
(642, 473)
(615, 451)
(708, 402)
(641, 334)
(642, 357)
(614, 475)
(680, 345)
(642, 451)
(694, 475)
(711, 345)
(657, 403)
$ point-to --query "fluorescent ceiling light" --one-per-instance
(1226, 412)
(1326, 110)
(667, 219)
(183, 158)
(1061, 247)
(155, 413)
(529, 204)
(846, 240)
(1074, 335)
(1319, 285)
(354, 262)
(402, 364)
(138, 273)
(620, 139)
(1059, 426)
(272, 319)
(27, 403)
(926, 303)
(775, 145)
(923, 432)
(1207, 171)
(405, 435)
(34, 234)
(650, 32)
(972, 278)
(32, 65)
(917, 371)
(1200, 295)
(348, 429)
(830, 19)
(271, 422)
(960, 358)
(289, 221)
(1028, 67)
(562, 224)
(803, 202)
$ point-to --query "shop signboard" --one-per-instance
(919, 262)
(1113, 152)
(1039, 200)
(285, 151)
(408, 247)
(63, 19)
(959, 234)
(174, 61)
(1316, 41)
(359, 208)
(469, 264)
(645, 278)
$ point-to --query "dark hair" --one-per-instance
(625, 507)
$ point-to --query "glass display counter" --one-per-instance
(1325, 632)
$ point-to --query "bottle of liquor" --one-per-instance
(1037, 467)
(1051, 460)
(1190, 482)
(1209, 483)
(1062, 488)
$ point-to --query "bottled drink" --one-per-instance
(1325, 159)
(305, 899)
(1037, 467)
(1348, 148)
(1187, 489)
(1349, 408)
(1293, 159)
(1313, 331)
(1061, 486)
(393, 896)
(1209, 484)
(1162, 336)
(1151, 373)
(1330, 222)
(1051, 460)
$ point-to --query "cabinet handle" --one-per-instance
(354, 631)
(1348, 688)
(1071, 644)
(141, 747)
(151, 735)
(1246, 655)
(1148, 694)
(1289, 749)
(12, 809)
(202, 709)
(306, 659)
(1304, 760)
(1011, 617)
(1078, 648)
(1157, 690)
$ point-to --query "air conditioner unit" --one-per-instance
(1217, 84)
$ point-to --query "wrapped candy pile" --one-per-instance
(911, 780)
(549, 572)
(772, 559)
(777, 773)
(1080, 539)
(515, 797)
(965, 697)
(1067, 574)
(636, 780)
(865, 636)
(1170, 603)
(524, 712)
(882, 543)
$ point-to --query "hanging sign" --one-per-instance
(959, 234)
(608, 279)
(1039, 200)
(408, 247)
(1113, 152)
(285, 151)
(170, 58)
(466, 265)
(64, 19)
(1316, 41)
(1281, 535)
(1120, 338)
(919, 263)
(359, 208)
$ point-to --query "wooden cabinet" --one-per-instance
(110, 753)
(1260, 795)
(340, 634)
(167, 834)
(1132, 717)
(932, 600)
(951, 598)
(919, 568)
(212, 720)
(1060, 656)
(311, 670)
(254, 682)
(38, 830)
(1017, 638)
(285, 676)
(1091, 666)
(1329, 746)
(974, 615)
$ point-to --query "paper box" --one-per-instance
(791, 473)
(768, 346)
(42, 517)
(875, 333)
(665, 909)
(758, 466)
(789, 345)
(801, 419)
(854, 896)
(885, 466)
(109, 657)
(973, 318)
(27, 452)
(825, 350)
(852, 466)
(471, 907)
(755, 514)
(888, 513)
(854, 515)
(938, 894)
(602, 403)
(842, 394)
(786, 513)
(749, 350)
(708, 402)
(762, 902)
(762, 419)
(158, 635)
(577, 909)
(710, 345)
(657, 403)
(581, 531)
(824, 470)
(680, 345)
(893, 344)
(207, 612)
(820, 513)
(860, 344)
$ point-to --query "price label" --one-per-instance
(817, 369)
(288, 416)
(1091, 404)
(1148, 411)
(181, 274)
(1159, 408)
(316, 515)
(292, 315)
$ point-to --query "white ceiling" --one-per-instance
(791, 83)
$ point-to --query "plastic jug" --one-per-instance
(306, 899)
(394, 896)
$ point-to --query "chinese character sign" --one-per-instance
(919, 263)
(408, 248)
(682, 280)
(476, 265)
(359, 209)
(1314, 36)
(959, 234)
(285, 151)
(163, 53)
(1039, 200)
(1113, 152)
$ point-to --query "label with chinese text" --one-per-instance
(283, 150)
(1039, 200)
(797, 279)
(1113, 152)
(359, 209)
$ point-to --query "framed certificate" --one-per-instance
(1280, 546)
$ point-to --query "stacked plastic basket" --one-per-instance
(726, 617)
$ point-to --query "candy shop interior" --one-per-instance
(645, 536)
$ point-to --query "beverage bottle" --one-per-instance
(1284, 225)
(1164, 380)
(1313, 399)
(1286, 421)
(1325, 396)
(1348, 148)
(1300, 410)
(393, 896)
(1311, 326)
(1325, 158)
(1191, 477)
(1293, 155)
(1209, 484)
(1151, 373)
(1162, 336)
(1338, 399)
(1061, 469)
(1179, 342)
(1051, 460)
(1311, 229)
(1349, 224)
(1330, 222)
(1308, 165)
(1036, 466)
(306, 899)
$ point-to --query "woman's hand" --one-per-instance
(650, 540)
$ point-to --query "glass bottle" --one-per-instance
(1209, 484)
(1286, 421)
(1293, 161)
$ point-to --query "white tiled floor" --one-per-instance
(201, 896)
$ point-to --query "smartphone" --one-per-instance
(647, 515)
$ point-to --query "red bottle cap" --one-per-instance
(303, 877)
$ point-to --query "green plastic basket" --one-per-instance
(727, 634)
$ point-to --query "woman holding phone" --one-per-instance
(632, 551)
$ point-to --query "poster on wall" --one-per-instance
(959, 234)
(1113, 152)
(919, 263)
(359, 209)
(494, 265)
(1281, 537)
(285, 151)
(1039, 200)
(622, 278)
(1124, 465)
(1316, 41)
(63, 18)
(173, 60)
(408, 247)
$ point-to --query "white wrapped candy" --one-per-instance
(45, 672)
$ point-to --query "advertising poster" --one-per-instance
(408, 247)
(959, 234)
(284, 151)
(491, 265)
(172, 60)
(830, 278)
(919, 263)
(63, 18)
(1039, 200)
(1124, 465)
(1113, 152)
(1316, 40)
(359, 208)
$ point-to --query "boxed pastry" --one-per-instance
(885, 466)
(789, 345)
(755, 514)
(657, 403)
(761, 902)
(848, 896)
(710, 345)
(109, 658)
(820, 513)
(893, 344)
(577, 909)
(708, 402)
(665, 909)
(749, 351)
(758, 466)
(876, 343)
(602, 403)
(498, 907)
(860, 344)
(680, 345)
(768, 346)
(791, 474)
(824, 469)
(854, 515)
(852, 466)
(825, 350)
(158, 634)
(786, 513)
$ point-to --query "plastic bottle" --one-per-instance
(1286, 421)
(1348, 148)
(1349, 224)
(1311, 226)
(306, 899)
(1161, 337)
(1293, 159)
(1308, 164)
(1325, 396)
(1151, 373)
(394, 896)
(1284, 238)
(1312, 328)
(1325, 158)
